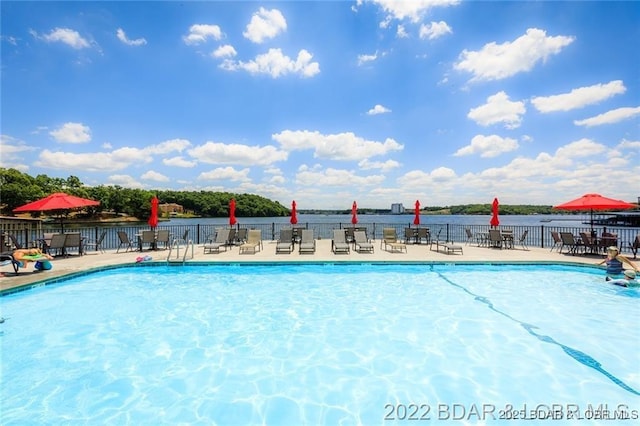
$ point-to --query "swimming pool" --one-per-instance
(320, 344)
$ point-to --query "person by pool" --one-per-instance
(615, 261)
(629, 279)
(25, 256)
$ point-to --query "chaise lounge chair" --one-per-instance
(307, 242)
(361, 243)
(449, 247)
(285, 242)
(217, 244)
(254, 242)
(8, 259)
(339, 242)
(391, 242)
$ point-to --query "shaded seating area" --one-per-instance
(254, 242)
(73, 243)
(361, 243)
(307, 242)
(285, 241)
(390, 241)
(339, 242)
(57, 244)
(217, 242)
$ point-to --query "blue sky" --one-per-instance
(376, 101)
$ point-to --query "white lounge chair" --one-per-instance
(339, 242)
(307, 242)
(217, 244)
(361, 243)
(254, 242)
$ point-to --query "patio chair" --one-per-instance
(470, 236)
(348, 232)
(495, 238)
(424, 234)
(11, 241)
(522, 241)
(147, 237)
(307, 242)
(449, 247)
(162, 238)
(57, 244)
(73, 242)
(285, 242)
(231, 240)
(96, 244)
(391, 242)
(361, 243)
(608, 239)
(589, 242)
(410, 235)
(183, 240)
(572, 244)
(254, 242)
(217, 243)
(8, 259)
(339, 242)
(124, 241)
(635, 245)
(557, 241)
(241, 235)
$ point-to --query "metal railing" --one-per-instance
(538, 235)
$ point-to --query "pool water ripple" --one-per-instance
(313, 344)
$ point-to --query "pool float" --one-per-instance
(143, 259)
(24, 256)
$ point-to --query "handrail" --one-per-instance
(176, 244)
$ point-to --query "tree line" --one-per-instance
(17, 188)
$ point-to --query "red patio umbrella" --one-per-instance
(232, 212)
(153, 218)
(354, 213)
(593, 202)
(294, 217)
(56, 201)
(416, 220)
(494, 213)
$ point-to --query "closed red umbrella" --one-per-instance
(591, 202)
(354, 213)
(294, 217)
(494, 213)
(416, 220)
(153, 217)
(232, 212)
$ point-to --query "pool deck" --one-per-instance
(414, 253)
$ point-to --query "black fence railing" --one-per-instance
(537, 236)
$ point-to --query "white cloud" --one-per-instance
(488, 146)
(385, 166)
(580, 148)
(498, 109)
(10, 152)
(265, 24)
(498, 61)
(630, 145)
(67, 36)
(434, 30)
(378, 109)
(579, 97)
(609, 117)
(225, 173)
(72, 133)
(122, 36)
(225, 51)
(154, 176)
(342, 146)
(125, 181)
(413, 10)
(178, 162)
(363, 59)
(336, 177)
(276, 64)
(402, 32)
(219, 153)
(200, 33)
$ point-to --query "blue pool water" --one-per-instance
(319, 344)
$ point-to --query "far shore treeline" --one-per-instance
(17, 188)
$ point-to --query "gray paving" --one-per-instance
(414, 253)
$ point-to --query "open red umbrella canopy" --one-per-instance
(294, 216)
(153, 218)
(495, 221)
(354, 213)
(232, 212)
(57, 201)
(591, 202)
(416, 220)
(594, 202)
